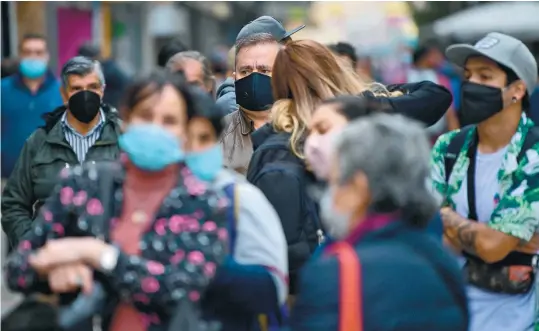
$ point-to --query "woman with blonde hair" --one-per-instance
(306, 73)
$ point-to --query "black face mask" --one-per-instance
(254, 92)
(84, 105)
(479, 103)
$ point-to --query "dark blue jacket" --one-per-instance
(238, 294)
(410, 282)
(21, 114)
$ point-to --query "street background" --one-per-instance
(133, 32)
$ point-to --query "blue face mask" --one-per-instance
(150, 147)
(33, 68)
(206, 164)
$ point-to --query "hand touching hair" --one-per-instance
(306, 73)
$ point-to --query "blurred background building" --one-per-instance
(133, 32)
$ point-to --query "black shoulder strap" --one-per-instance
(454, 149)
(532, 137)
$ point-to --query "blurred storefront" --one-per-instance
(66, 24)
(131, 32)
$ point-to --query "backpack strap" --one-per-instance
(297, 171)
(453, 150)
(532, 137)
(232, 214)
(350, 282)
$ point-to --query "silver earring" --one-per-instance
(514, 99)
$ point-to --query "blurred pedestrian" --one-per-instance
(196, 69)
(10, 66)
(219, 65)
(255, 56)
(140, 204)
(376, 208)
(488, 175)
(115, 77)
(365, 68)
(253, 279)
(346, 52)
(26, 95)
(426, 59)
(83, 130)
(226, 95)
(170, 49)
(226, 99)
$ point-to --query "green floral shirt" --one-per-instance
(517, 212)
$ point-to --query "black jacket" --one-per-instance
(425, 101)
(286, 193)
(44, 155)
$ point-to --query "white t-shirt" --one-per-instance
(492, 311)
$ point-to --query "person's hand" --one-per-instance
(447, 243)
(70, 278)
(531, 247)
(66, 251)
(445, 211)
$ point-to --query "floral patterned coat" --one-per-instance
(179, 253)
(517, 209)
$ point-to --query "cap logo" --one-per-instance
(486, 43)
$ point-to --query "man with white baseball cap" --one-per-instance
(488, 175)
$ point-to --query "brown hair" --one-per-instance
(305, 73)
(149, 84)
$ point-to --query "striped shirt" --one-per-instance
(82, 143)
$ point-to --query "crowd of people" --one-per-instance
(292, 192)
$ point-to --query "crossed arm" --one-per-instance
(477, 238)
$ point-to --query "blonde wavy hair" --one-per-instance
(304, 74)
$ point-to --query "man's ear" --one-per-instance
(234, 75)
(519, 90)
(63, 93)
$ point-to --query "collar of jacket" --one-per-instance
(372, 223)
(246, 124)
(109, 133)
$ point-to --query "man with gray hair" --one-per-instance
(375, 209)
(391, 154)
(255, 55)
(195, 67)
(82, 130)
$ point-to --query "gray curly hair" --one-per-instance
(394, 153)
